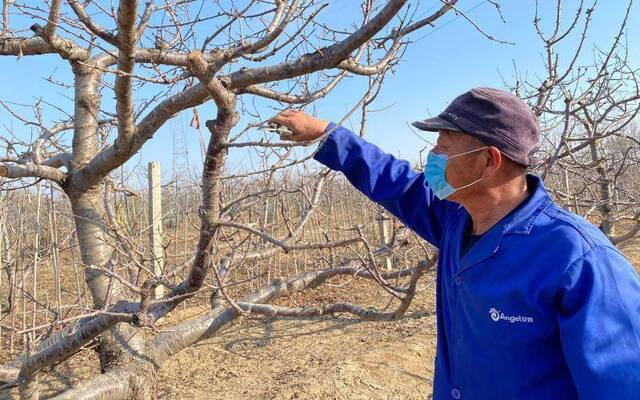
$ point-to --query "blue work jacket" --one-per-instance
(541, 307)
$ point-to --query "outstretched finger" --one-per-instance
(286, 137)
(280, 119)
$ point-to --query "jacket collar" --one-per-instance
(519, 222)
(522, 221)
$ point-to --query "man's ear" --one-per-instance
(493, 161)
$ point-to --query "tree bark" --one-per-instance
(606, 194)
(117, 346)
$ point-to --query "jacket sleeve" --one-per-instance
(386, 180)
(599, 320)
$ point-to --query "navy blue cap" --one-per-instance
(496, 118)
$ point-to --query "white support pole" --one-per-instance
(567, 186)
(383, 229)
(155, 223)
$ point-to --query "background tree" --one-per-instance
(588, 107)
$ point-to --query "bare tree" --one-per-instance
(588, 107)
(186, 55)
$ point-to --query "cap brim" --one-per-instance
(436, 124)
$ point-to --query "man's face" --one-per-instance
(465, 169)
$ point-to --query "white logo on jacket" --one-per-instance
(496, 316)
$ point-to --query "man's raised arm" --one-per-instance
(378, 175)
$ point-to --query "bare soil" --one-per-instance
(339, 357)
(326, 358)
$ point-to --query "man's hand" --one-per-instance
(304, 126)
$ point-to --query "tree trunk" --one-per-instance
(118, 347)
(606, 193)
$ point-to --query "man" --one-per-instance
(533, 302)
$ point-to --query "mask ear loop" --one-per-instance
(477, 180)
(468, 152)
(469, 184)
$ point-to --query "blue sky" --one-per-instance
(441, 63)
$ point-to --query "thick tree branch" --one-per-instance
(16, 171)
(630, 233)
(6, 4)
(144, 20)
(114, 385)
(68, 345)
(25, 47)
(64, 47)
(226, 119)
(351, 65)
(8, 373)
(54, 16)
(330, 309)
(124, 97)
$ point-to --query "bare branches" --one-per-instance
(292, 37)
(426, 21)
(294, 99)
(168, 343)
(275, 29)
(588, 107)
(244, 81)
(554, 76)
(479, 28)
(229, 22)
(604, 65)
(45, 149)
(94, 28)
(322, 59)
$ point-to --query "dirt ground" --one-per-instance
(328, 358)
(338, 357)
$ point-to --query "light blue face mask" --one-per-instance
(434, 172)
